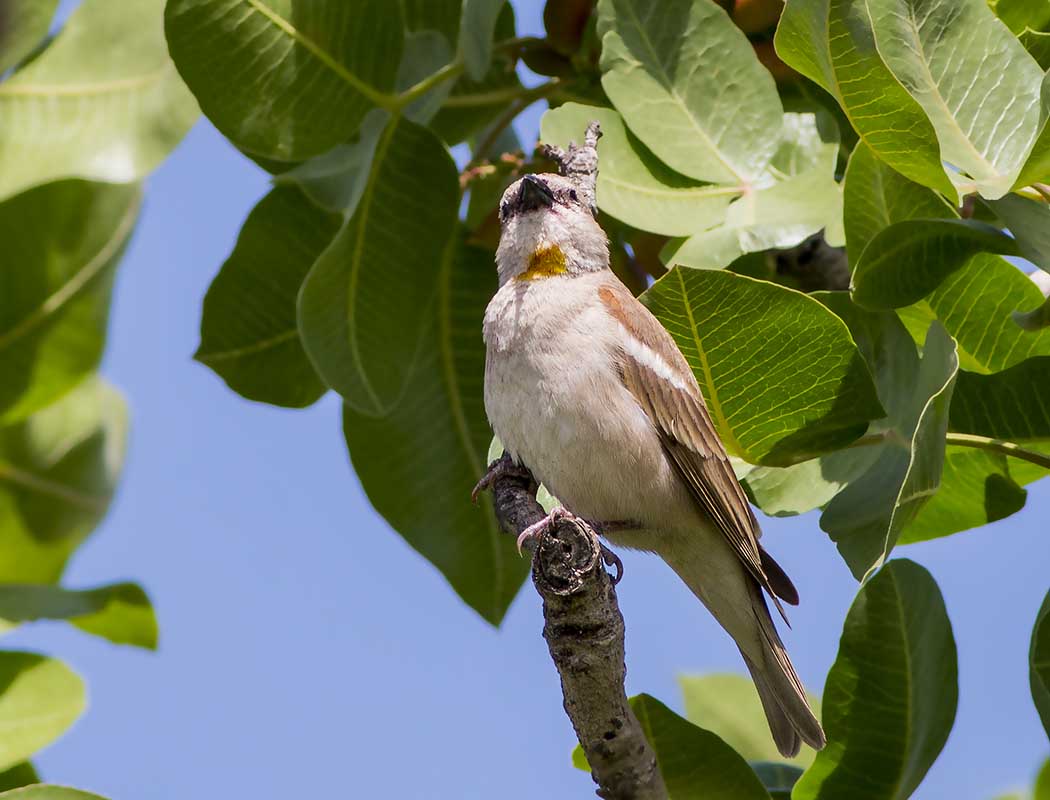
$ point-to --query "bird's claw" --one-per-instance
(538, 528)
(559, 513)
(499, 468)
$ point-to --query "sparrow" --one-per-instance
(586, 389)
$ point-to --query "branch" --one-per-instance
(584, 632)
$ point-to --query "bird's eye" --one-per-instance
(572, 195)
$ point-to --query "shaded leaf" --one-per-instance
(21, 774)
(728, 705)
(976, 83)
(23, 26)
(62, 242)
(786, 491)
(694, 763)
(39, 699)
(475, 35)
(1029, 222)
(633, 185)
(906, 261)
(1037, 168)
(784, 382)
(1039, 663)
(891, 695)
(362, 308)
(119, 612)
(1034, 320)
(419, 463)
(1020, 14)
(103, 101)
(688, 84)
(425, 53)
(867, 517)
(1037, 43)
(1005, 405)
(282, 79)
(778, 778)
(46, 792)
(249, 335)
(831, 43)
(58, 471)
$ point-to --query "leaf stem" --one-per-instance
(498, 96)
(448, 72)
(999, 446)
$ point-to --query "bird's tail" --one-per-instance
(791, 721)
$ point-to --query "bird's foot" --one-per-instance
(539, 528)
(559, 513)
(500, 468)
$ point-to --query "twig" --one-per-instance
(584, 632)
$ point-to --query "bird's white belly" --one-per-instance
(556, 401)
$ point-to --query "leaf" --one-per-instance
(891, 695)
(249, 335)
(876, 196)
(102, 102)
(21, 774)
(978, 86)
(784, 382)
(1037, 43)
(831, 43)
(62, 243)
(786, 491)
(1034, 320)
(1005, 405)
(1029, 222)
(419, 463)
(25, 24)
(689, 86)
(475, 35)
(780, 216)
(119, 612)
(728, 705)
(283, 79)
(866, 518)
(58, 470)
(1037, 167)
(694, 763)
(909, 259)
(363, 305)
(41, 697)
(778, 778)
(45, 792)
(1039, 663)
(425, 53)
(1042, 783)
(1020, 14)
(976, 488)
(633, 185)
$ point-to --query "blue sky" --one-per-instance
(307, 651)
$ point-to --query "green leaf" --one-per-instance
(728, 705)
(62, 242)
(831, 43)
(890, 697)
(45, 792)
(877, 196)
(909, 259)
(1037, 43)
(1029, 222)
(419, 463)
(633, 185)
(102, 102)
(779, 216)
(475, 35)
(778, 778)
(21, 774)
(1042, 783)
(41, 697)
(25, 24)
(283, 79)
(977, 84)
(1039, 663)
(425, 53)
(695, 764)
(249, 335)
(362, 309)
(1005, 405)
(1020, 14)
(1034, 320)
(866, 518)
(58, 470)
(786, 491)
(976, 488)
(436, 15)
(1037, 168)
(784, 382)
(688, 84)
(119, 612)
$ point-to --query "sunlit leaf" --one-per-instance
(46, 792)
(39, 699)
(890, 697)
(103, 101)
(62, 242)
(24, 25)
(248, 326)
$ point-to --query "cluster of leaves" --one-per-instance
(88, 113)
(913, 134)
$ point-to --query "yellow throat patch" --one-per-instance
(543, 263)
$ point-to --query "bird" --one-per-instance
(587, 390)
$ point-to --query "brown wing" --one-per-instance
(676, 406)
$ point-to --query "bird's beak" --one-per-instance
(534, 194)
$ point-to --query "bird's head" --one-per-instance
(548, 228)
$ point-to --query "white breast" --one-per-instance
(554, 397)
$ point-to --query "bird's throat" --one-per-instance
(544, 263)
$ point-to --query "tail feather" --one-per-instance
(783, 697)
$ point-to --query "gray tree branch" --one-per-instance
(585, 635)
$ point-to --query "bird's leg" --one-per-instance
(608, 556)
(557, 514)
(500, 468)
